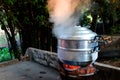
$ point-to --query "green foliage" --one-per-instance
(34, 12)
(115, 29)
(109, 13)
(3, 17)
(9, 2)
(5, 55)
(86, 19)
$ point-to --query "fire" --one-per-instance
(79, 70)
(71, 67)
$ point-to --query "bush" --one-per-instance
(115, 29)
(5, 55)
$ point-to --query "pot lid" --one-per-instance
(81, 33)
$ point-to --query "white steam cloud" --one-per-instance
(65, 14)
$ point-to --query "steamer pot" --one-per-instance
(81, 48)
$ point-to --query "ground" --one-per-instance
(27, 71)
(114, 61)
(110, 52)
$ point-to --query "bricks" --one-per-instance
(43, 57)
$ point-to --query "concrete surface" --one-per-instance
(28, 70)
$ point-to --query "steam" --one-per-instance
(65, 14)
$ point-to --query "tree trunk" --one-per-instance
(13, 42)
(94, 23)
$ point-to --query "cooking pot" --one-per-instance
(80, 48)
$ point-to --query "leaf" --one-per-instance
(42, 0)
(113, 1)
(36, 1)
(11, 2)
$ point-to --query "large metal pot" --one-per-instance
(81, 48)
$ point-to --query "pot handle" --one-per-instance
(100, 40)
(97, 49)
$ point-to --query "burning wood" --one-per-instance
(74, 71)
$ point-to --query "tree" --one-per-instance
(30, 17)
(33, 24)
(108, 11)
(8, 21)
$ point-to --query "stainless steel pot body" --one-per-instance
(77, 52)
(78, 45)
(79, 49)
